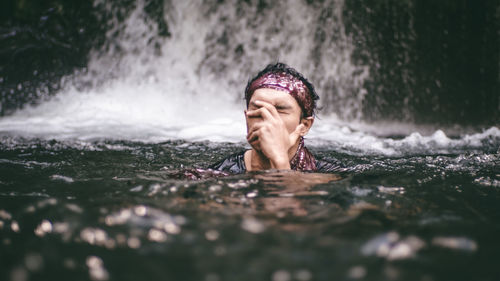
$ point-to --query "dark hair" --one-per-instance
(284, 68)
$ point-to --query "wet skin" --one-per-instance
(274, 127)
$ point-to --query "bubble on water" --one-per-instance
(357, 191)
(75, 208)
(136, 189)
(140, 210)
(215, 188)
(287, 194)
(212, 235)
(390, 246)
(97, 271)
(5, 215)
(252, 225)
(15, 226)
(33, 261)
(47, 202)
(281, 275)
(94, 236)
(406, 248)
(252, 194)
(380, 245)
(43, 228)
(487, 181)
(154, 189)
(61, 178)
(391, 190)
(157, 235)
(119, 218)
(456, 243)
(134, 242)
(238, 185)
(356, 272)
(171, 228)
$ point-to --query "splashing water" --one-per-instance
(188, 86)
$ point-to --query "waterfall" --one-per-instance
(191, 82)
(177, 69)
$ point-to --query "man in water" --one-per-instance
(281, 105)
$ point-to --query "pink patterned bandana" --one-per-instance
(284, 82)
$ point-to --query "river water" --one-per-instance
(93, 181)
(118, 210)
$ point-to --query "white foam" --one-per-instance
(138, 112)
(151, 118)
(331, 131)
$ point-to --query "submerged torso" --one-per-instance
(235, 164)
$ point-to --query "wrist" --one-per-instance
(280, 163)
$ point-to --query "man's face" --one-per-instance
(287, 107)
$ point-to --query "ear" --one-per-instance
(246, 118)
(306, 125)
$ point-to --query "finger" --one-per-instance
(265, 105)
(255, 144)
(256, 126)
(253, 113)
(261, 112)
(252, 136)
(270, 107)
(255, 134)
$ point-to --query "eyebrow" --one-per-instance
(282, 107)
(278, 106)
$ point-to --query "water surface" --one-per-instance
(118, 210)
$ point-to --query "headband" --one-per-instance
(282, 81)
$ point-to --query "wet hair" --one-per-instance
(284, 68)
